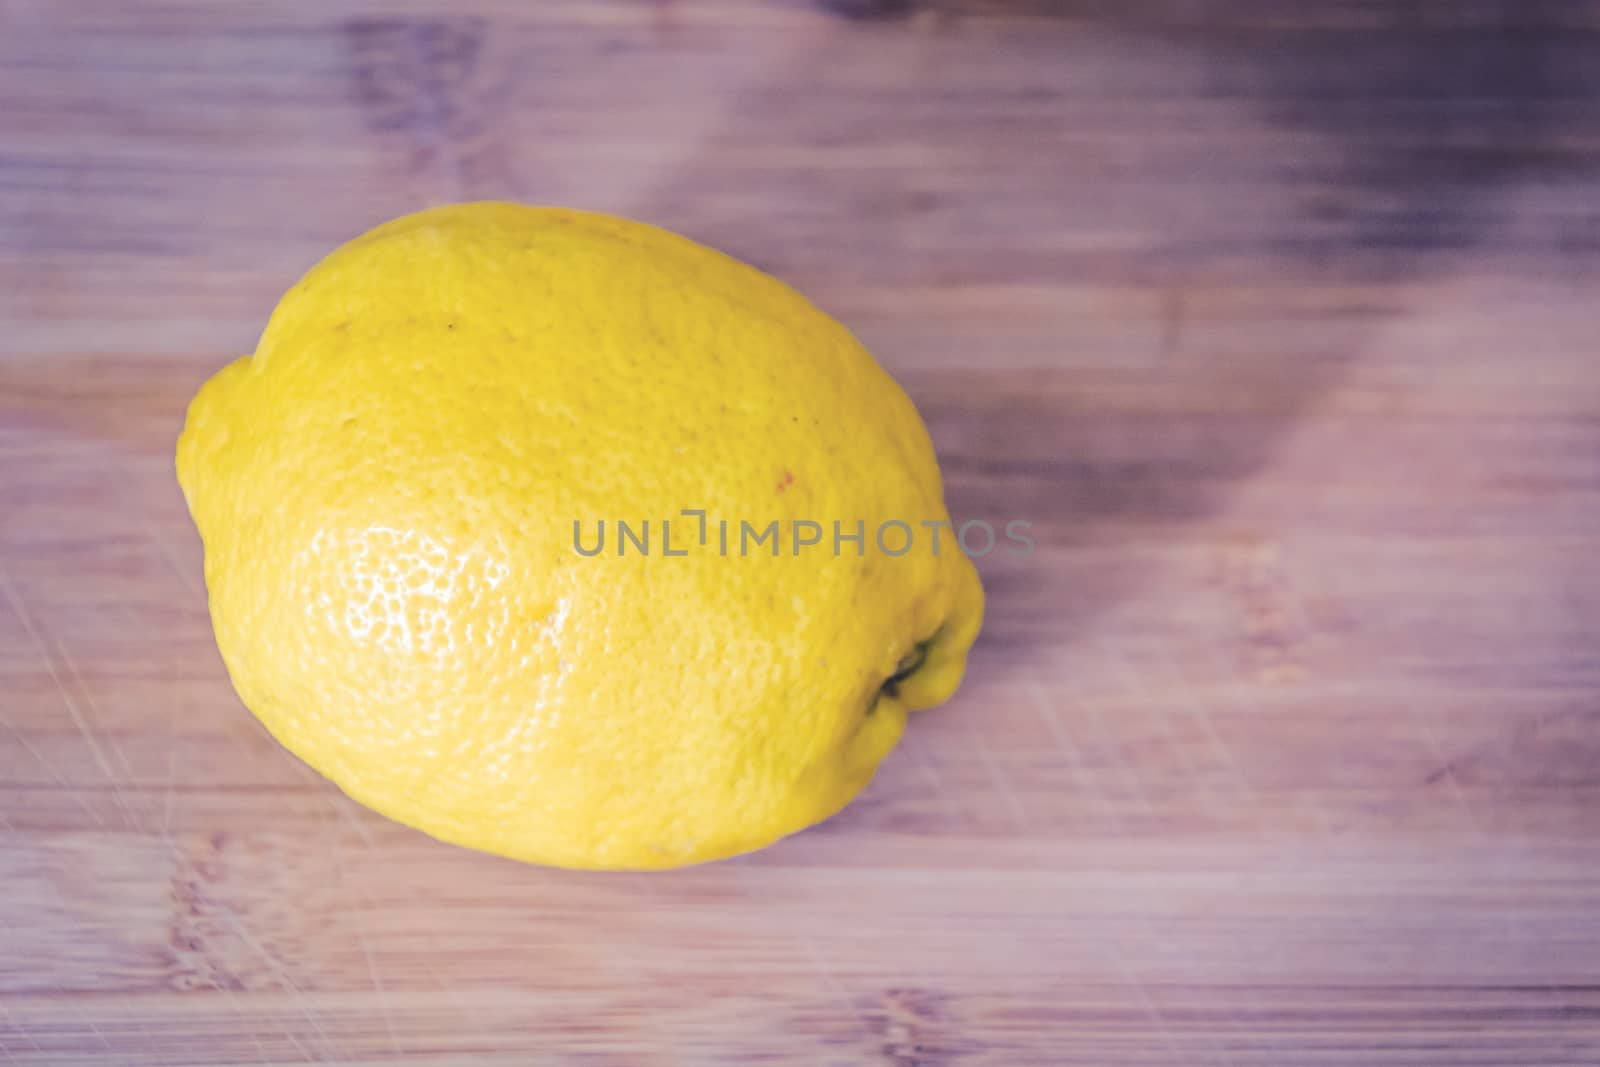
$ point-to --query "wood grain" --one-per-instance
(1278, 322)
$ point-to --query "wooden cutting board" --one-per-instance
(1278, 322)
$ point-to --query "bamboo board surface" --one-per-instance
(1279, 323)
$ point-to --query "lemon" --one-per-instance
(483, 520)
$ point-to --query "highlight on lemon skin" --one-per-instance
(386, 490)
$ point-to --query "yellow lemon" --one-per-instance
(560, 536)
